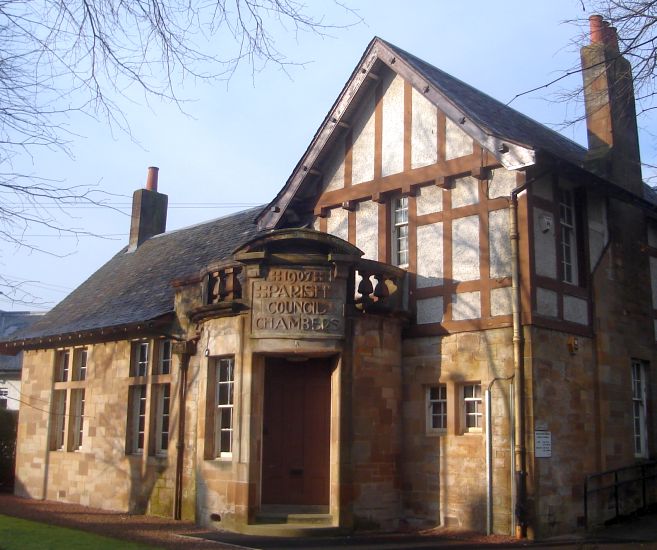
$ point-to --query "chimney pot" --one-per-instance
(151, 180)
(596, 24)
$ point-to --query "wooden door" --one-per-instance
(296, 432)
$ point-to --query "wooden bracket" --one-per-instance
(378, 198)
(479, 172)
(408, 190)
(321, 211)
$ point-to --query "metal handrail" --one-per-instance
(643, 478)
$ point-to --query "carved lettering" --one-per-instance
(297, 302)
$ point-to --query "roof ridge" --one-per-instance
(208, 222)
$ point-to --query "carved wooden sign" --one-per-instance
(302, 302)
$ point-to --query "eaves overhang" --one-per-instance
(152, 327)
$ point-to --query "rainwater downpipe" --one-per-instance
(180, 444)
(519, 451)
(489, 454)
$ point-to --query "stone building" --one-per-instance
(446, 316)
(10, 365)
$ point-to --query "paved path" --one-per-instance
(169, 534)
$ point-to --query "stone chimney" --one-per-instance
(149, 212)
(610, 111)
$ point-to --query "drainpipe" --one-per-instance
(185, 350)
(520, 474)
(489, 465)
(489, 454)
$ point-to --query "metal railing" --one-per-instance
(624, 491)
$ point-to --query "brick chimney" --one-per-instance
(610, 110)
(149, 212)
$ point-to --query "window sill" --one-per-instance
(220, 459)
(473, 433)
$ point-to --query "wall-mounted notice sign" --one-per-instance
(542, 444)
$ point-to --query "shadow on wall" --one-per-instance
(110, 471)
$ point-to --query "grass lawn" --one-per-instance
(21, 534)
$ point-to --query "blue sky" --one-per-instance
(240, 140)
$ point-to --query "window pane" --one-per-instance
(223, 394)
(164, 366)
(61, 374)
(639, 407)
(223, 409)
(138, 418)
(225, 442)
(163, 420)
(472, 406)
(568, 235)
(437, 407)
(226, 418)
(58, 419)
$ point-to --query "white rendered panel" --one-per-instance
(545, 248)
(334, 171)
(338, 223)
(392, 139)
(465, 191)
(652, 233)
(598, 233)
(466, 305)
(458, 143)
(429, 255)
(362, 167)
(501, 183)
(429, 199)
(499, 244)
(465, 249)
(367, 229)
(500, 301)
(575, 310)
(546, 302)
(424, 131)
(653, 281)
(429, 310)
(543, 188)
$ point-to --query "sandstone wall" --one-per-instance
(444, 473)
(99, 473)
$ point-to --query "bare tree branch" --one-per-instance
(64, 57)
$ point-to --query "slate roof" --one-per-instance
(494, 116)
(136, 287)
(10, 323)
